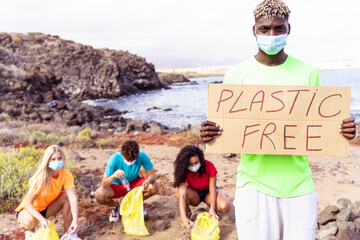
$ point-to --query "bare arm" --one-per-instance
(30, 208)
(107, 180)
(182, 206)
(212, 192)
(73, 199)
(151, 177)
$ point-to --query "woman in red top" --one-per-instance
(195, 179)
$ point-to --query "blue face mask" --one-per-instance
(271, 45)
(56, 165)
(194, 168)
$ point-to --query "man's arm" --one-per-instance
(107, 180)
(151, 177)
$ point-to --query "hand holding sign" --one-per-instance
(209, 130)
(348, 128)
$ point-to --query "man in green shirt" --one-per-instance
(275, 196)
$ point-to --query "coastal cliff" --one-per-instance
(83, 72)
(45, 78)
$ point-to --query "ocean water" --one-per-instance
(187, 104)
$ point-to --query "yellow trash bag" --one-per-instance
(205, 228)
(45, 234)
(132, 213)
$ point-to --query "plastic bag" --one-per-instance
(205, 228)
(132, 213)
(46, 233)
(67, 236)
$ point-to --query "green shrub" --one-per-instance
(86, 133)
(4, 117)
(16, 168)
(84, 137)
(41, 138)
(8, 136)
(105, 143)
(195, 130)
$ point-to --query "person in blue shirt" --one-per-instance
(126, 164)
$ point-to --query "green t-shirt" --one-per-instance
(275, 175)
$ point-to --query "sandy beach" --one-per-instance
(334, 178)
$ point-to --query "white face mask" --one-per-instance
(271, 45)
(194, 168)
(129, 163)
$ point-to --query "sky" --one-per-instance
(187, 33)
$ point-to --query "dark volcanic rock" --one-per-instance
(44, 78)
(86, 73)
(169, 78)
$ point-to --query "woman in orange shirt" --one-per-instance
(51, 190)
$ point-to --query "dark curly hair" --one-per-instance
(182, 163)
(130, 150)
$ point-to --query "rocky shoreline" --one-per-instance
(45, 79)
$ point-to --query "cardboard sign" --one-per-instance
(290, 120)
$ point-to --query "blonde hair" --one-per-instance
(41, 178)
(272, 8)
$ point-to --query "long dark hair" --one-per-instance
(182, 163)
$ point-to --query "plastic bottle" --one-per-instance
(125, 183)
(67, 236)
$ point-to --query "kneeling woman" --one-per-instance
(195, 179)
(45, 197)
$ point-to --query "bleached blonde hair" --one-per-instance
(41, 178)
(272, 8)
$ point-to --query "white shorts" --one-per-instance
(262, 217)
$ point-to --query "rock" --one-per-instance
(331, 209)
(229, 219)
(52, 104)
(169, 78)
(156, 128)
(229, 155)
(34, 116)
(153, 108)
(159, 225)
(343, 203)
(357, 224)
(171, 215)
(344, 226)
(45, 78)
(348, 234)
(355, 213)
(101, 218)
(45, 116)
(48, 96)
(332, 237)
(329, 229)
(344, 215)
(324, 218)
(75, 156)
(356, 204)
(328, 215)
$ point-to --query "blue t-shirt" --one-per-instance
(116, 162)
